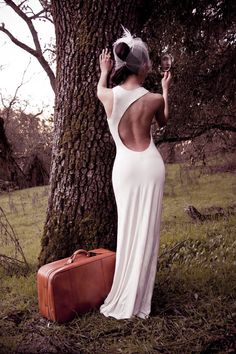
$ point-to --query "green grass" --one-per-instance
(26, 212)
(193, 304)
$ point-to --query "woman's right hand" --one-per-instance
(105, 62)
(165, 82)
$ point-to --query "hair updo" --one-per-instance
(131, 57)
(122, 50)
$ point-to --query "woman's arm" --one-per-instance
(166, 107)
(162, 114)
(105, 66)
(102, 83)
(165, 82)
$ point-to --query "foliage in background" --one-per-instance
(30, 138)
(201, 37)
(29, 135)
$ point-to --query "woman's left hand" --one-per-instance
(165, 82)
(105, 62)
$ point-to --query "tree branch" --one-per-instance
(17, 42)
(200, 130)
(14, 97)
(36, 15)
(37, 52)
(22, 3)
(28, 22)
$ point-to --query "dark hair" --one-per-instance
(122, 50)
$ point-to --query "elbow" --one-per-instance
(98, 92)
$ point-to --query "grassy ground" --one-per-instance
(193, 304)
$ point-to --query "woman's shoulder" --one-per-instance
(154, 99)
(156, 95)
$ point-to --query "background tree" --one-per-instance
(11, 175)
(26, 143)
(31, 140)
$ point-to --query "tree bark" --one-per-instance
(81, 209)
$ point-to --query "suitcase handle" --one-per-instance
(73, 257)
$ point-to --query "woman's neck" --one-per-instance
(131, 82)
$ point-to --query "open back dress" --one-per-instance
(138, 181)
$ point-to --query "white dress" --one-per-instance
(138, 181)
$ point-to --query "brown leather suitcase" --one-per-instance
(75, 284)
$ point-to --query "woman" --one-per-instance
(138, 174)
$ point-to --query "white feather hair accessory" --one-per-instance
(138, 54)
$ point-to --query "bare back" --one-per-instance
(135, 124)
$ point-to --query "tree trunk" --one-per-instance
(81, 209)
